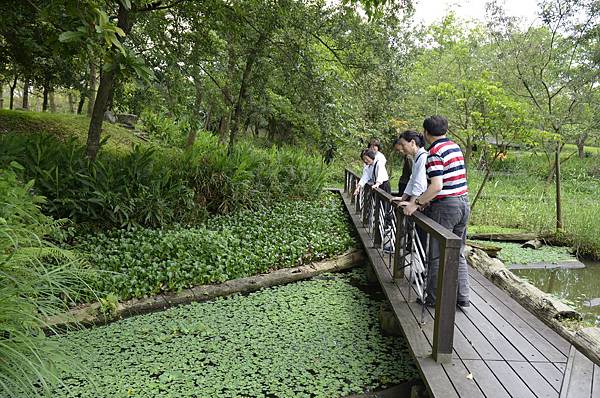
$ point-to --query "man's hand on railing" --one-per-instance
(357, 190)
(409, 207)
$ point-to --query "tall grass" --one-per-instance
(37, 280)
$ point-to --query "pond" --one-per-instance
(579, 287)
(317, 338)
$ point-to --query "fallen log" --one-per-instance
(532, 244)
(516, 237)
(90, 314)
(548, 309)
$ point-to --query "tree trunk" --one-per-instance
(81, 102)
(207, 119)
(488, 170)
(107, 83)
(581, 144)
(559, 221)
(71, 102)
(45, 102)
(51, 100)
(12, 93)
(106, 87)
(91, 91)
(233, 133)
(196, 114)
(224, 127)
(26, 95)
(1, 96)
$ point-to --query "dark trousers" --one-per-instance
(452, 213)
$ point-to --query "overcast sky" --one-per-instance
(430, 11)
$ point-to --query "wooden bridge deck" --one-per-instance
(500, 349)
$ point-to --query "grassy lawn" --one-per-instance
(66, 126)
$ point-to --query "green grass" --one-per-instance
(521, 199)
(65, 126)
(318, 338)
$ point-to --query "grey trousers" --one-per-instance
(452, 213)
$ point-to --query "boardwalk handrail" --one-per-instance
(393, 232)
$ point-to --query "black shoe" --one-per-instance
(463, 303)
(428, 303)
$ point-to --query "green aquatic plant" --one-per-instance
(318, 338)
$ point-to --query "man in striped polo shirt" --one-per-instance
(446, 200)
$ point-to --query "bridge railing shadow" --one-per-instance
(406, 241)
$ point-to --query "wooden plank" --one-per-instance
(510, 380)
(525, 348)
(526, 329)
(504, 299)
(462, 347)
(466, 387)
(578, 382)
(437, 381)
(485, 379)
(496, 339)
(596, 382)
(550, 372)
(540, 386)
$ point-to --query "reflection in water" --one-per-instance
(578, 287)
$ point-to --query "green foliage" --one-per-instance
(518, 197)
(154, 186)
(161, 129)
(513, 253)
(144, 262)
(317, 338)
(37, 280)
(139, 187)
(249, 177)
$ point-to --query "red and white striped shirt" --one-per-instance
(446, 159)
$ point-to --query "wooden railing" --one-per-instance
(396, 236)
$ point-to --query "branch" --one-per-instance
(157, 6)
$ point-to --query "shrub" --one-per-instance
(153, 186)
(142, 262)
(37, 280)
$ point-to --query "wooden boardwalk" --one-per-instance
(500, 349)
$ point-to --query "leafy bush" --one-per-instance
(139, 187)
(317, 338)
(153, 186)
(37, 280)
(163, 130)
(250, 177)
(145, 261)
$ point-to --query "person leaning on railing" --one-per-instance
(374, 170)
(446, 202)
(411, 144)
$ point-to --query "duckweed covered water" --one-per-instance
(317, 338)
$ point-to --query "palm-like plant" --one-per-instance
(37, 280)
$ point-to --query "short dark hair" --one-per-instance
(375, 142)
(436, 125)
(412, 135)
(367, 152)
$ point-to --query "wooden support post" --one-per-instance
(445, 307)
(398, 269)
(377, 238)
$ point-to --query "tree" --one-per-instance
(551, 69)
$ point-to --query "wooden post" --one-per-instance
(398, 268)
(446, 292)
(377, 238)
(367, 202)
